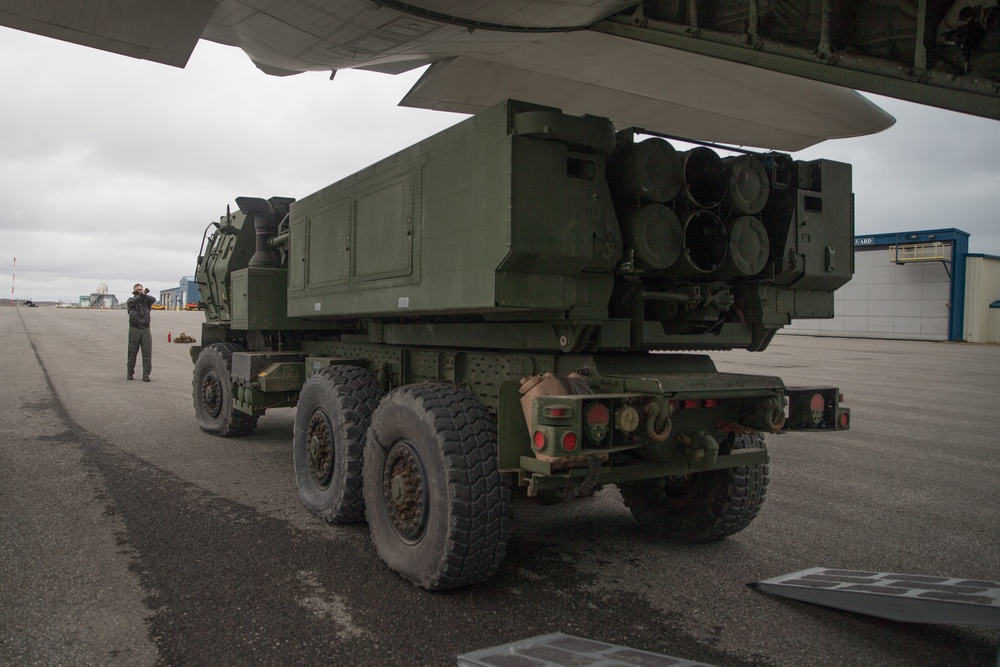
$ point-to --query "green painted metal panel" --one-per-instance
(259, 297)
(505, 232)
(427, 230)
(384, 236)
(327, 243)
(824, 234)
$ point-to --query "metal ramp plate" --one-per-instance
(911, 598)
(557, 650)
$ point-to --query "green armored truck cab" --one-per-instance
(519, 306)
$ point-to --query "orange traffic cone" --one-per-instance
(168, 336)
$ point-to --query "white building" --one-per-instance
(921, 285)
(100, 298)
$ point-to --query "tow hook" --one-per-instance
(587, 485)
(593, 476)
(770, 415)
(658, 424)
(700, 450)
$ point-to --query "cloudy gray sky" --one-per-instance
(111, 168)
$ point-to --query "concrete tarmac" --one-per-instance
(129, 537)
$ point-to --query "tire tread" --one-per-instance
(356, 395)
(477, 499)
(237, 424)
(732, 500)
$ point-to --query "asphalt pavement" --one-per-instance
(129, 537)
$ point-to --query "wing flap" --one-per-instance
(164, 32)
(655, 88)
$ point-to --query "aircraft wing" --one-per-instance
(654, 88)
(164, 32)
(778, 74)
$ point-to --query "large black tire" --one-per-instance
(331, 420)
(438, 510)
(704, 506)
(213, 393)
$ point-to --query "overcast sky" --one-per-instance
(111, 168)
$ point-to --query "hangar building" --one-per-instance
(922, 285)
(176, 298)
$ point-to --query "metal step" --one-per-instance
(557, 650)
(911, 598)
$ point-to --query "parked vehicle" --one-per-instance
(508, 309)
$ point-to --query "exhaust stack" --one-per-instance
(265, 227)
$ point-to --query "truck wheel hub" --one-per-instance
(403, 490)
(319, 449)
(211, 395)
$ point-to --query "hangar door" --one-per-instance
(905, 300)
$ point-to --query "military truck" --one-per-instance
(519, 307)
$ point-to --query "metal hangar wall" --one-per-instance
(906, 285)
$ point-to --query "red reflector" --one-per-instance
(845, 419)
(711, 402)
(817, 403)
(539, 440)
(555, 412)
(569, 441)
(688, 405)
(598, 414)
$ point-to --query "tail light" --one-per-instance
(817, 405)
(598, 422)
(539, 440)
